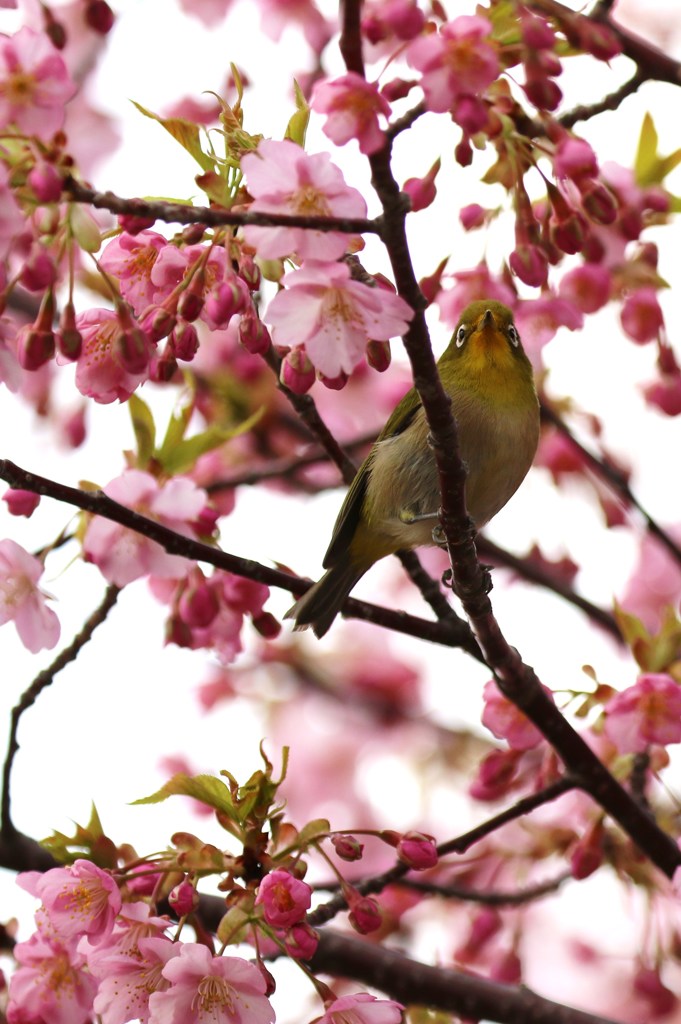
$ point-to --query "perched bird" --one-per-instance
(393, 502)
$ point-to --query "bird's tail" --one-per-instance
(320, 604)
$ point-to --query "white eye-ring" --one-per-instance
(461, 336)
(513, 335)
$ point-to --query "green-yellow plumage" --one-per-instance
(489, 379)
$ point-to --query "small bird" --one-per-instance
(393, 502)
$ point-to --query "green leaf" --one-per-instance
(185, 132)
(178, 454)
(145, 429)
(646, 153)
(297, 126)
(206, 788)
(316, 829)
(88, 841)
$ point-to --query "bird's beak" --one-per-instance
(488, 319)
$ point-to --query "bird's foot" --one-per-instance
(463, 592)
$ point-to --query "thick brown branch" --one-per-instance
(446, 633)
(419, 984)
(182, 213)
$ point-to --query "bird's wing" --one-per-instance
(351, 509)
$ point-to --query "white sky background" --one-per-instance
(98, 732)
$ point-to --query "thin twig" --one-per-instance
(610, 102)
(616, 480)
(41, 681)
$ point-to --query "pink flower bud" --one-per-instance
(253, 335)
(185, 341)
(599, 204)
(69, 338)
(404, 18)
(470, 113)
(575, 159)
(73, 428)
(568, 234)
(132, 349)
(301, 941)
(267, 625)
(378, 355)
(543, 92)
(598, 39)
(249, 271)
(284, 899)
(365, 914)
(224, 300)
(472, 216)
(157, 322)
(99, 16)
(34, 347)
(134, 223)
(39, 271)
(463, 152)
(484, 926)
(398, 88)
(46, 182)
(422, 191)
(417, 850)
(537, 33)
(529, 263)
(665, 395)
(641, 316)
(184, 898)
(163, 367)
(495, 775)
(347, 847)
(587, 855)
(297, 372)
(506, 967)
(198, 605)
(21, 503)
(144, 880)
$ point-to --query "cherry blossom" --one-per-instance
(506, 721)
(128, 980)
(131, 259)
(455, 62)
(284, 898)
(322, 308)
(207, 989)
(101, 370)
(51, 984)
(361, 1008)
(353, 106)
(122, 555)
(283, 178)
(647, 712)
(12, 220)
(21, 600)
(34, 84)
(81, 899)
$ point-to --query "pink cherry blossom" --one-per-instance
(353, 106)
(587, 287)
(101, 372)
(51, 983)
(34, 84)
(81, 899)
(207, 989)
(21, 600)
(130, 979)
(477, 283)
(361, 1008)
(647, 712)
(284, 898)
(209, 12)
(283, 178)
(334, 316)
(277, 15)
(131, 259)
(505, 721)
(455, 62)
(123, 555)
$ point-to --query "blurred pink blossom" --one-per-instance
(21, 600)
(361, 1008)
(645, 713)
(353, 106)
(34, 84)
(456, 61)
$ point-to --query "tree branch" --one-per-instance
(41, 681)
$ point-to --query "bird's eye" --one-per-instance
(461, 336)
(513, 335)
